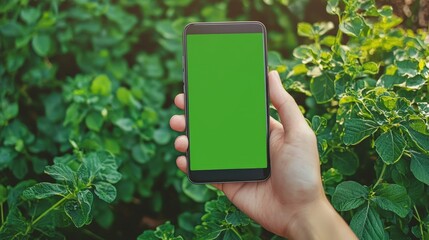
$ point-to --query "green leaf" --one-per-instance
(44, 190)
(124, 95)
(407, 68)
(61, 172)
(105, 191)
(322, 88)
(161, 136)
(94, 121)
(305, 30)
(125, 124)
(370, 67)
(198, 193)
(420, 166)
(30, 15)
(208, 231)
(353, 26)
(3, 194)
(345, 161)
(367, 225)
(393, 197)
(332, 7)
(237, 218)
(41, 44)
(101, 85)
(349, 195)
(390, 146)
(231, 235)
(418, 137)
(78, 210)
(357, 129)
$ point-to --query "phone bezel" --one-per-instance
(226, 175)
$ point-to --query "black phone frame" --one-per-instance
(226, 175)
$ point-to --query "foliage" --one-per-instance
(86, 88)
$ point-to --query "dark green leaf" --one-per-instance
(420, 166)
(198, 193)
(367, 225)
(390, 146)
(105, 191)
(94, 121)
(357, 130)
(349, 195)
(79, 210)
(161, 136)
(393, 197)
(237, 218)
(345, 161)
(322, 88)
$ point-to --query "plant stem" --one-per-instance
(50, 209)
(2, 213)
(420, 222)
(381, 176)
(235, 231)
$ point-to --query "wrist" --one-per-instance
(318, 220)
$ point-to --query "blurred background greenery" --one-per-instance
(104, 74)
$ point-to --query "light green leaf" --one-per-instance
(322, 88)
(420, 166)
(41, 44)
(349, 195)
(30, 15)
(357, 130)
(101, 85)
(105, 191)
(305, 30)
(78, 210)
(390, 146)
(370, 67)
(94, 121)
(353, 26)
(367, 225)
(393, 197)
(125, 124)
(237, 218)
(44, 190)
(123, 95)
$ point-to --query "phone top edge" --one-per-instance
(224, 27)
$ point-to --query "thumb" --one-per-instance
(290, 115)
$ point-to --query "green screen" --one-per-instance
(226, 101)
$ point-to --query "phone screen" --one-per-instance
(227, 118)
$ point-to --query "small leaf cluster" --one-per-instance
(37, 209)
(222, 220)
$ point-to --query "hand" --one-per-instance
(292, 199)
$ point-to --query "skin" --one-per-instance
(292, 202)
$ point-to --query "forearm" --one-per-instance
(319, 221)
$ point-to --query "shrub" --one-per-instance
(85, 97)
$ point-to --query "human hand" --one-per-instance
(293, 197)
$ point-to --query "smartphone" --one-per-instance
(226, 101)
